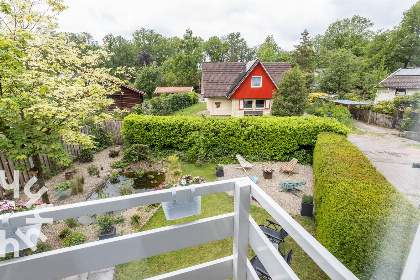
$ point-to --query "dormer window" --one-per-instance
(256, 81)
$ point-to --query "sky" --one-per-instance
(254, 19)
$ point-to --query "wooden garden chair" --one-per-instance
(244, 164)
(288, 167)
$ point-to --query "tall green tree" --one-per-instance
(406, 38)
(292, 94)
(39, 106)
(215, 49)
(304, 54)
(237, 48)
(121, 50)
(148, 78)
(340, 71)
(350, 33)
(158, 46)
(183, 68)
(269, 51)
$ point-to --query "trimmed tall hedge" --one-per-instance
(256, 138)
(362, 219)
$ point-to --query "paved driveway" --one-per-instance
(392, 156)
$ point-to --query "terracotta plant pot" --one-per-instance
(267, 175)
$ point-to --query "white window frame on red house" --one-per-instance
(248, 101)
(252, 79)
(263, 104)
(242, 103)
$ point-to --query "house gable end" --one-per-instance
(244, 90)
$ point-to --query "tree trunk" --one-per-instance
(40, 176)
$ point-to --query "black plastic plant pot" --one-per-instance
(307, 210)
(111, 234)
(220, 173)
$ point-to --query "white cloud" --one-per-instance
(254, 19)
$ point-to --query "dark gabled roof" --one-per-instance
(403, 78)
(133, 89)
(221, 79)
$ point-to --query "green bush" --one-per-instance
(386, 107)
(71, 223)
(411, 119)
(105, 223)
(308, 199)
(86, 155)
(321, 108)
(92, 169)
(362, 219)
(220, 139)
(101, 138)
(64, 233)
(166, 105)
(74, 238)
(64, 186)
(135, 153)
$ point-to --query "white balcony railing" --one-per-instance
(239, 224)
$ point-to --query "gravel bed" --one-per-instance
(289, 202)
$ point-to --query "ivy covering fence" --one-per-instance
(220, 139)
(362, 219)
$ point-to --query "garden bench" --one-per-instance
(288, 167)
(291, 186)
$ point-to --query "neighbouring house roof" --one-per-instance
(171, 90)
(403, 78)
(131, 88)
(221, 79)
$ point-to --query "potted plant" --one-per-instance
(307, 205)
(181, 208)
(106, 226)
(219, 171)
(268, 173)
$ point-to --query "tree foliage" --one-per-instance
(292, 94)
(149, 78)
(304, 54)
(269, 51)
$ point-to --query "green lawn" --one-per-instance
(212, 205)
(192, 110)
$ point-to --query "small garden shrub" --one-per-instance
(308, 199)
(113, 153)
(136, 152)
(363, 220)
(64, 186)
(119, 164)
(101, 138)
(114, 177)
(220, 139)
(135, 220)
(74, 238)
(92, 169)
(76, 185)
(71, 223)
(105, 223)
(86, 155)
(64, 233)
(41, 247)
(61, 195)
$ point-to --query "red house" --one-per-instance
(240, 88)
(126, 98)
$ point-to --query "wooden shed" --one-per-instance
(126, 98)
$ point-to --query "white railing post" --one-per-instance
(240, 229)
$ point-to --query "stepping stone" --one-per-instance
(85, 220)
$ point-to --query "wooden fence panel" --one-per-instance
(373, 117)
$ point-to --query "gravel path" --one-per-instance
(289, 202)
(392, 156)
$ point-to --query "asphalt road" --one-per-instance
(393, 156)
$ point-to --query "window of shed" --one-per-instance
(256, 81)
(248, 104)
(259, 104)
(400, 91)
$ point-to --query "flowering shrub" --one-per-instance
(183, 181)
(8, 208)
(268, 170)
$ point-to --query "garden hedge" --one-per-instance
(362, 219)
(218, 139)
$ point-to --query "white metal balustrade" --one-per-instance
(239, 224)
